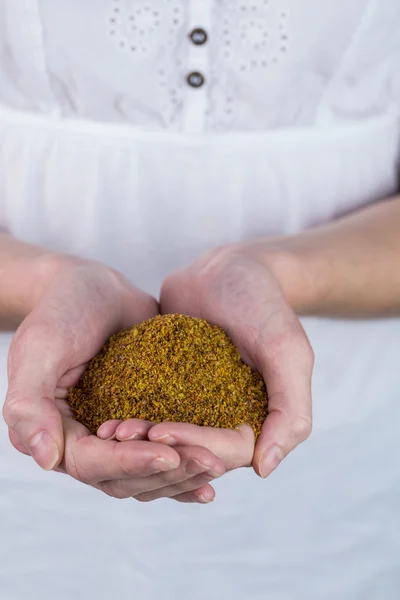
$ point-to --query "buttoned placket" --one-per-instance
(197, 66)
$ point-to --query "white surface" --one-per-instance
(147, 197)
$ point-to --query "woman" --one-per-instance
(242, 158)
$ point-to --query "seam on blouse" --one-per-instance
(110, 134)
(353, 41)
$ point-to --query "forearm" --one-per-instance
(24, 271)
(350, 267)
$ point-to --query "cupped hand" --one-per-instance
(81, 306)
(233, 447)
(236, 289)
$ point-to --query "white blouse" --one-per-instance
(143, 133)
(262, 64)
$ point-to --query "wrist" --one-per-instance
(24, 276)
(301, 273)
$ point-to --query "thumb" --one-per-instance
(30, 410)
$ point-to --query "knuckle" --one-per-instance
(301, 428)
(14, 409)
(125, 461)
(143, 497)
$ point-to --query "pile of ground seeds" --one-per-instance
(170, 368)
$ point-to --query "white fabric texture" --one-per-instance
(107, 152)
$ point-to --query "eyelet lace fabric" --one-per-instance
(254, 41)
(265, 64)
(246, 41)
(146, 34)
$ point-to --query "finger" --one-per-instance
(287, 368)
(107, 431)
(16, 442)
(203, 495)
(68, 379)
(29, 409)
(235, 447)
(133, 429)
(174, 490)
(196, 464)
(92, 460)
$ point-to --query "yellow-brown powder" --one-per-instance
(170, 368)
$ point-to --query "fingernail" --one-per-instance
(270, 460)
(44, 450)
(204, 500)
(194, 467)
(165, 439)
(122, 438)
(215, 474)
(160, 464)
(109, 439)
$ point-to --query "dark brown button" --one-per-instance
(195, 79)
(198, 36)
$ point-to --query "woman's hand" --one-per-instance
(232, 287)
(234, 448)
(80, 306)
